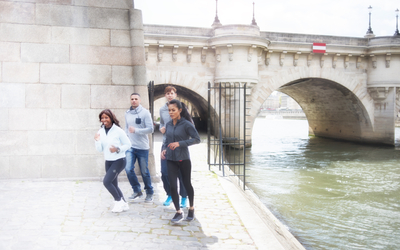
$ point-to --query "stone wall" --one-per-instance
(61, 63)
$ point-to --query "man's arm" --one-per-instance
(162, 125)
(126, 124)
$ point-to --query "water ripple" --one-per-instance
(331, 194)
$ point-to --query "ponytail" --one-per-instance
(184, 113)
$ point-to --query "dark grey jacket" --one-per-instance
(183, 132)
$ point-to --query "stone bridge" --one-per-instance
(350, 92)
(63, 61)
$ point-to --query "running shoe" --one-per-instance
(177, 218)
(149, 198)
(184, 202)
(168, 201)
(136, 195)
(190, 215)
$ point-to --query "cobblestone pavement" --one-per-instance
(77, 215)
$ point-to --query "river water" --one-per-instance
(330, 194)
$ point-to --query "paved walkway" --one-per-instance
(77, 215)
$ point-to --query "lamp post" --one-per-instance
(370, 33)
(216, 22)
(253, 22)
(396, 33)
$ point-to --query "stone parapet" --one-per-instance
(180, 31)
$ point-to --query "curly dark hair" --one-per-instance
(110, 114)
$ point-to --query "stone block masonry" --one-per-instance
(61, 63)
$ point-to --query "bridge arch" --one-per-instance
(199, 103)
(336, 104)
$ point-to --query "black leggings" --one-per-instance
(110, 181)
(185, 167)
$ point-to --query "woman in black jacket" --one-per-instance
(180, 134)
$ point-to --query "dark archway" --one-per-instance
(199, 102)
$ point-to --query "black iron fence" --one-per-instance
(227, 113)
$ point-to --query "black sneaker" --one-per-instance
(149, 198)
(177, 218)
(190, 215)
(136, 195)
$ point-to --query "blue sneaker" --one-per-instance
(184, 202)
(168, 201)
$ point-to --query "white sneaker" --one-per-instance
(118, 206)
(125, 206)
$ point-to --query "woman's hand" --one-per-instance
(113, 149)
(173, 145)
(163, 154)
(97, 137)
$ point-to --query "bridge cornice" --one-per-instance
(171, 40)
(241, 40)
(274, 41)
(384, 46)
(185, 41)
(177, 30)
(291, 47)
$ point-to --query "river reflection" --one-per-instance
(331, 194)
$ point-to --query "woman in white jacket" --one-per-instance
(113, 141)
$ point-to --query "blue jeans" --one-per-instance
(165, 180)
(143, 158)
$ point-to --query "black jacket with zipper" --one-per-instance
(183, 132)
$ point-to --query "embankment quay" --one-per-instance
(76, 214)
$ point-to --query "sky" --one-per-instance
(317, 17)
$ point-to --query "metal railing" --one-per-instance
(227, 128)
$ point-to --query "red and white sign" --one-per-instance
(319, 48)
